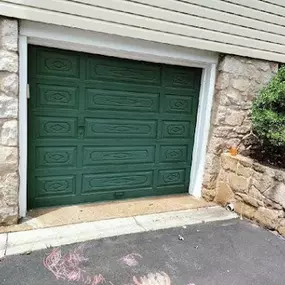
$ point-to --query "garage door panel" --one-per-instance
(176, 129)
(121, 100)
(123, 86)
(56, 96)
(56, 156)
(96, 128)
(171, 177)
(116, 181)
(55, 185)
(56, 127)
(180, 78)
(57, 64)
(178, 104)
(94, 155)
(118, 70)
(173, 153)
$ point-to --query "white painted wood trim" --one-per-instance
(113, 45)
(23, 124)
(202, 129)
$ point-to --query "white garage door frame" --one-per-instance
(112, 45)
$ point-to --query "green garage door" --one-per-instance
(103, 128)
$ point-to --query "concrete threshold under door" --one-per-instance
(82, 213)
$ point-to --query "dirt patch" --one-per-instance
(268, 155)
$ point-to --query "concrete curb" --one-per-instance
(28, 241)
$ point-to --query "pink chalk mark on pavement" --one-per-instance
(67, 267)
(156, 278)
(131, 259)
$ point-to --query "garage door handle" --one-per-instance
(119, 195)
(81, 130)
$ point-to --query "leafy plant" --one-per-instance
(268, 111)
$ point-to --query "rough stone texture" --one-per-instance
(224, 194)
(9, 86)
(257, 191)
(238, 82)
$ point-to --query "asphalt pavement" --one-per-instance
(221, 253)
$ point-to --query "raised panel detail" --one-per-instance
(125, 154)
(57, 96)
(121, 100)
(56, 156)
(120, 128)
(52, 127)
(122, 71)
(181, 78)
(55, 185)
(172, 153)
(175, 129)
(171, 177)
(178, 104)
(58, 64)
(114, 181)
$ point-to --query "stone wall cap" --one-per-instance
(239, 158)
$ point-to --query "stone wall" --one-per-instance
(256, 191)
(238, 81)
(9, 66)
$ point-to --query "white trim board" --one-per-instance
(112, 45)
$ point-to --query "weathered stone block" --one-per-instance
(210, 180)
(280, 175)
(241, 84)
(262, 65)
(268, 217)
(229, 162)
(250, 200)
(262, 181)
(212, 163)
(221, 113)
(245, 161)
(276, 194)
(9, 133)
(8, 61)
(258, 167)
(223, 81)
(244, 171)
(238, 183)
(233, 96)
(8, 159)
(216, 146)
(222, 131)
(242, 129)
(9, 184)
(234, 118)
(282, 222)
(9, 83)
(232, 64)
(255, 194)
(244, 210)
(208, 194)
(224, 194)
(281, 231)
(9, 34)
(8, 107)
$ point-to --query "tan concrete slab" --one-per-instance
(52, 217)
(27, 241)
(3, 244)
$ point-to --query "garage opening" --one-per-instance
(103, 128)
